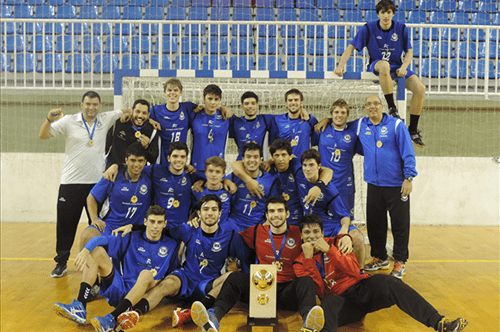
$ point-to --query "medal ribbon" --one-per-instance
(130, 181)
(138, 128)
(87, 127)
(277, 256)
(321, 267)
(293, 127)
(178, 181)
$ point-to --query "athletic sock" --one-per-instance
(123, 306)
(390, 100)
(142, 307)
(208, 301)
(413, 123)
(84, 294)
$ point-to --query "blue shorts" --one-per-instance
(409, 72)
(117, 290)
(333, 227)
(190, 287)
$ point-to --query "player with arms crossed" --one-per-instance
(347, 295)
(387, 41)
(146, 257)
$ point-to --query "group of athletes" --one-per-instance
(163, 227)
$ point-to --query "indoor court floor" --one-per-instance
(456, 268)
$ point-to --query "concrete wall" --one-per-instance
(447, 191)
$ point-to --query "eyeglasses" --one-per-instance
(375, 103)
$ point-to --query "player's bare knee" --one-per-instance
(145, 277)
(170, 283)
(383, 68)
(357, 238)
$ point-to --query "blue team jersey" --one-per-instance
(297, 131)
(174, 124)
(389, 45)
(223, 195)
(135, 253)
(329, 206)
(246, 210)
(119, 208)
(209, 137)
(173, 193)
(287, 184)
(244, 131)
(207, 253)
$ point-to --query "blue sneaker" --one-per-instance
(104, 324)
(203, 318)
(74, 311)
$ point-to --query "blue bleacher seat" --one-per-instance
(427, 5)
(371, 15)
(140, 44)
(89, 12)
(241, 45)
(288, 14)
(196, 14)
(406, 5)
(66, 44)
(141, 3)
(487, 7)
(461, 48)
(296, 63)
(214, 62)
(152, 13)
(268, 46)
(438, 18)
(98, 2)
(186, 61)
(265, 14)
(242, 14)
(219, 14)
(241, 62)
(325, 4)
(449, 6)
(77, 2)
(305, 4)
(35, 2)
(91, 44)
(38, 43)
(426, 33)
(332, 15)
(285, 4)
(366, 4)
(77, 28)
(109, 63)
(201, 3)
(440, 49)
(6, 11)
(317, 47)
(353, 15)
(216, 45)
(416, 17)
(346, 5)
(478, 69)
(420, 49)
(481, 18)
(15, 2)
(120, 3)
(111, 13)
(56, 2)
(476, 34)
(86, 12)
(340, 45)
(15, 43)
(467, 6)
(191, 45)
(134, 61)
(5, 60)
(353, 65)
(264, 3)
(459, 18)
(431, 68)
(318, 64)
(48, 11)
(272, 63)
(174, 13)
(160, 3)
(24, 64)
(66, 12)
(180, 3)
(455, 68)
(7, 27)
(292, 46)
(165, 61)
(168, 45)
(51, 63)
(26, 11)
(129, 13)
(116, 43)
(400, 16)
(491, 53)
(311, 15)
(242, 3)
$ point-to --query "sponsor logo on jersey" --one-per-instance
(303, 185)
(248, 196)
(124, 189)
(224, 197)
(210, 121)
(121, 134)
(347, 138)
(290, 243)
(291, 178)
(383, 131)
(216, 247)
(248, 136)
(148, 262)
(243, 128)
(385, 46)
(166, 117)
(267, 241)
(197, 241)
(163, 251)
(141, 249)
(174, 125)
(287, 126)
(184, 181)
(241, 185)
(181, 115)
(170, 190)
(394, 37)
(144, 189)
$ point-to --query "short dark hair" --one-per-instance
(156, 210)
(137, 150)
(310, 154)
(280, 144)
(384, 5)
(177, 146)
(276, 200)
(310, 219)
(249, 94)
(208, 198)
(215, 161)
(213, 89)
(340, 103)
(251, 146)
(142, 102)
(294, 92)
(91, 95)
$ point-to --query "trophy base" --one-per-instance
(262, 324)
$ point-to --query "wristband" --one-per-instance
(320, 184)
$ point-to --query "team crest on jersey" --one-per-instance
(383, 131)
(184, 181)
(248, 196)
(224, 197)
(291, 178)
(261, 187)
(257, 125)
(174, 125)
(394, 37)
(347, 138)
(144, 189)
(181, 116)
(290, 243)
(216, 247)
(327, 260)
(163, 251)
(320, 197)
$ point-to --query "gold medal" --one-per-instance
(286, 196)
(153, 272)
(137, 134)
(204, 262)
(91, 142)
(294, 142)
(210, 139)
(253, 204)
(279, 265)
(379, 144)
(176, 204)
(337, 152)
(134, 199)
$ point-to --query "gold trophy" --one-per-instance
(262, 306)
